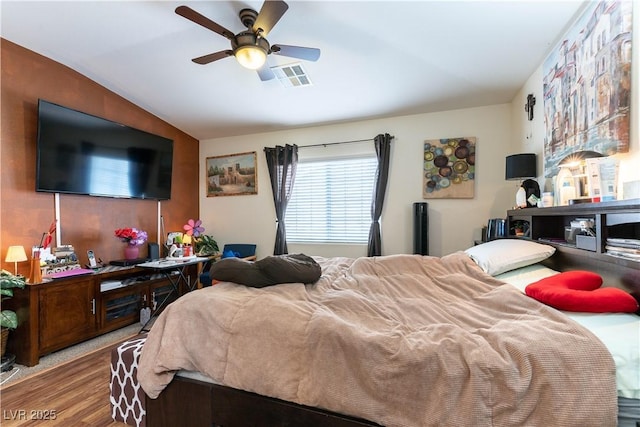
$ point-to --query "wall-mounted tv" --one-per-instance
(78, 153)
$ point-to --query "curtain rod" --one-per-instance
(336, 143)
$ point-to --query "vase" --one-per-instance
(35, 276)
(131, 252)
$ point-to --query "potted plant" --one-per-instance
(205, 245)
(8, 318)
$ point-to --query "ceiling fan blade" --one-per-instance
(206, 59)
(265, 73)
(269, 15)
(306, 53)
(199, 19)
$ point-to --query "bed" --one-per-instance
(619, 332)
(401, 340)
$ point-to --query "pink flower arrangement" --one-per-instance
(131, 236)
(193, 228)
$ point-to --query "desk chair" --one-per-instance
(240, 250)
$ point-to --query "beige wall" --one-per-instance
(453, 223)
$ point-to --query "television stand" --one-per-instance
(63, 312)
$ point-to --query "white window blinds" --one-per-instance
(331, 201)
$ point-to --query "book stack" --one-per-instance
(624, 248)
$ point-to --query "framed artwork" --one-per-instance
(449, 168)
(232, 175)
(587, 85)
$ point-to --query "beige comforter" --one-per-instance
(402, 340)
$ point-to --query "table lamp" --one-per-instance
(522, 166)
(16, 254)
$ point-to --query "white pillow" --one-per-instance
(498, 256)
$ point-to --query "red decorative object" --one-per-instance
(580, 291)
(132, 236)
(46, 237)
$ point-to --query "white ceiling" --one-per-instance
(379, 58)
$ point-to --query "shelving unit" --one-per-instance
(121, 306)
(616, 219)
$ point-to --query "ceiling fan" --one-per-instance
(250, 47)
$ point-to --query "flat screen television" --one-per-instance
(78, 153)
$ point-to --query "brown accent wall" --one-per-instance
(86, 222)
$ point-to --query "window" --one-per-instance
(331, 201)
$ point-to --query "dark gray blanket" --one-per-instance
(290, 268)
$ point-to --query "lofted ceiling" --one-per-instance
(379, 58)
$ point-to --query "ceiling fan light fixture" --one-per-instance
(251, 56)
(250, 47)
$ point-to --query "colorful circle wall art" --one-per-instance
(449, 168)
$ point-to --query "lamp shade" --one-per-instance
(16, 254)
(252, 57)
(250, 50)
(519, 166)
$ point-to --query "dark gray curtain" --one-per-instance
(282, 163)
(383, 148)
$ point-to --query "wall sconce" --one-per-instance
(16, 254)
(528, 107)
(523, 166)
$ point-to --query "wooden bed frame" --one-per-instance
(190, 402)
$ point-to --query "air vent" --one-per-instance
(292, 75)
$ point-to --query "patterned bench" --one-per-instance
(127, 397)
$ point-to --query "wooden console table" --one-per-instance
(57, 314)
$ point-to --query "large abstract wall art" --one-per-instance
(449, 167)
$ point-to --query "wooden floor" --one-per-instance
(73, 394)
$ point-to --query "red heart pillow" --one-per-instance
(581, 291)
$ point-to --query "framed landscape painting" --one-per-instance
(232, 175)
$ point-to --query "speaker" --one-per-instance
(154, 251)
(420, 228)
